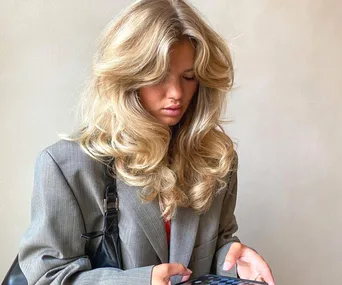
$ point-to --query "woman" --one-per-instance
(151, 116)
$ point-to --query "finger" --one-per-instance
(177, 269)
(264, 271)
(266, 274)
(185, 278)
(233, 255)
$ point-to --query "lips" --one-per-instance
(173, 107)
(172, 111)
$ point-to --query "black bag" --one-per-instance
(108, 253)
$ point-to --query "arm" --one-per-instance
(52, 251)
(228, 225)
(237, 257)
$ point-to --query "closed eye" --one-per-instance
(192, 78)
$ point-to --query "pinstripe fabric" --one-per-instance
(67, 201)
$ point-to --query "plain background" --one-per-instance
(286, 109)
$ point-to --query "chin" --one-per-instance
(170, 121)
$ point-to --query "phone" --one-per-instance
(210, 279)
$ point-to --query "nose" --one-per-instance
(174, 90)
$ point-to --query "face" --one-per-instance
(169, 100)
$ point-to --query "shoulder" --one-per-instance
(64, 150)
(230, 179)
(235, 161)
(66, 176)
(69, 157)
(67, 161)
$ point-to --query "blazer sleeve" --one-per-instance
(51, 251)
(228, 225)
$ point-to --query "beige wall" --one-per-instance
(286, 109)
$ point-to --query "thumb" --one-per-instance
(178, 269)
(232, 256)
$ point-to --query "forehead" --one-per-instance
(182, 55)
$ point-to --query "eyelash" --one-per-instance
(189, 78)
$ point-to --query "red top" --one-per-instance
(168, 230)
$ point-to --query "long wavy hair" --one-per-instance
(183, 167)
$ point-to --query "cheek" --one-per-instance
(190, 91)
(149, 97)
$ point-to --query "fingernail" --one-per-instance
(188, 270)
(227, 265)
(185, 278)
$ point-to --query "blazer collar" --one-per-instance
(148, 217)
(184, 226)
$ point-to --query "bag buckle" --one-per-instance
(110, 205)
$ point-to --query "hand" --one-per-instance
(161, 273)
(250, 265)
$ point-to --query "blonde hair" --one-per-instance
(185, 168)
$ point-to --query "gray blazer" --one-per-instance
(67, 201)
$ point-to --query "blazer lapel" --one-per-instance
(147, 215)
(184, 228)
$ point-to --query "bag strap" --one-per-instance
(111, 210)
(111, 225)
(108, 253)
(111, 207)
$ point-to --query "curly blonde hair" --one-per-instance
(185, 167)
